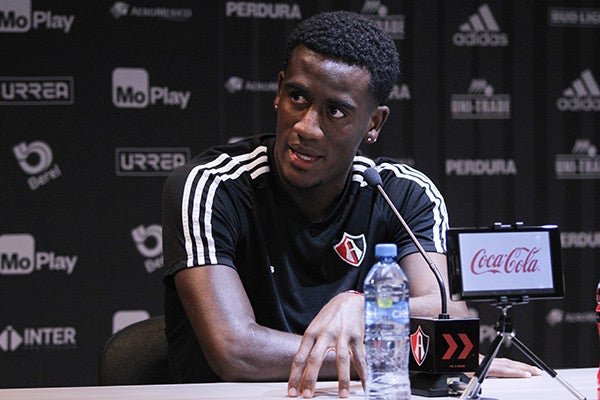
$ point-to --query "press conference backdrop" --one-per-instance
(498, 102)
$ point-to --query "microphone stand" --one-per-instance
(432, 266)
(424, 383)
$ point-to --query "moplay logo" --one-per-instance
(18, 257)
(16, 16)
(148, 241)
(35, 159)
(131, 89)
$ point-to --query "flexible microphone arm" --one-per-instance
(373, 178)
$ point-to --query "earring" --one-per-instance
(370, 140)
(276, 106)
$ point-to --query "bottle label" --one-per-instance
(391, 312)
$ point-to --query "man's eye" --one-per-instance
(336, 112)
(298, 98)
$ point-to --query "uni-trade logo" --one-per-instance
(582, 163)
(148, 241)
(131, 89)
(16, 16)
(480, 102)
(480, 30)
(393, 25)
(582, 95)
(18, 257)
(39, 338)
(36, 160)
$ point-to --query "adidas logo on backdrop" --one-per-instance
(480, 30)
(582, 95)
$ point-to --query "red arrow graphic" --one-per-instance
(468, 346)
(452, 346)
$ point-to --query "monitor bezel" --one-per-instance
(455, 275)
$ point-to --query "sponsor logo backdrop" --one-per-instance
(498, 102)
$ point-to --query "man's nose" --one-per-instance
(309, 126)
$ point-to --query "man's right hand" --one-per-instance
(339, 329)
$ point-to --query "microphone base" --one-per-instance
(437, 385)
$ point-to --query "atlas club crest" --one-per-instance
(352, 248)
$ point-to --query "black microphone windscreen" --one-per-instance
(372, 177)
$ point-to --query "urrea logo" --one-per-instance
(131, 89)
(18, 257)
(35, 159)
(148, 241)
(16, 16)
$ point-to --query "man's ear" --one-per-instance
(280, 77)
(378, 118)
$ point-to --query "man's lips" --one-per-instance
(303, 157)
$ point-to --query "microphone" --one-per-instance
(437, 360)
(373, 179)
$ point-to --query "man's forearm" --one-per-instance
(264, 354)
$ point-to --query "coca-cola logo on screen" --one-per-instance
(518, 260)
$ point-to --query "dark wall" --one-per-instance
(498, 103)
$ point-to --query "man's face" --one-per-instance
(325, 110)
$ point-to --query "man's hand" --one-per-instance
(339, 329)
(507, 368)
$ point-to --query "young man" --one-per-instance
(265, 239)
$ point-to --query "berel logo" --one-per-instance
(16, 16)
(18, 257)
(131, 89)
(35, 159)
(148, 241)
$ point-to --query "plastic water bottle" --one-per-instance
(387, 327)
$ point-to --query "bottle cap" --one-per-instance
(386, 250)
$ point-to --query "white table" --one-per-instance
(537, 388)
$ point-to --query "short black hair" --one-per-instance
(353, 39)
